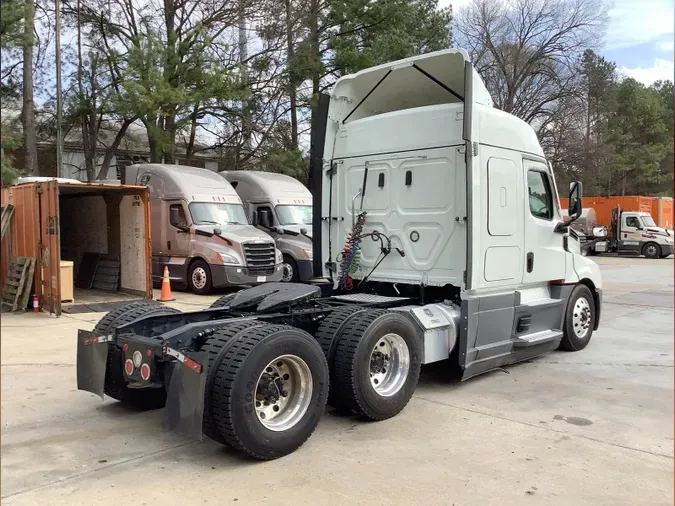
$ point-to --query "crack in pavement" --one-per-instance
(548, 429)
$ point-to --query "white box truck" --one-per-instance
(281, 206)
(200, 230)
(437, 228)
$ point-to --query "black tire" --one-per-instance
(205, 271)
(651, 250)
(215, 347)
(352, 365)
(115, 386)
(295, 278)
(328, 336)
(223, 301)
(571, 341)
(234, 390)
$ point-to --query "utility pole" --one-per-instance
(59, 93)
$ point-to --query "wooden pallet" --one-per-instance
(18, 283)
(7, 213)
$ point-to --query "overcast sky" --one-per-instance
(639, 37)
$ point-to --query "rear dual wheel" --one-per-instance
(375, 361)
(266, 388)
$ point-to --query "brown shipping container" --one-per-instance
(660, 208)
(56, 221)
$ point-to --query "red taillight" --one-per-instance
(129, 367)
(145, 372)
(125, 347)
(149, 352)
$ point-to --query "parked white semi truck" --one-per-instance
(437, 228)
(281, 206)
(630, 233)
(200, 230)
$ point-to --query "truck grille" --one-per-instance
(260, 258)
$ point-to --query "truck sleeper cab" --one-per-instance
(437, 231)
(200, 230)
(282, 207)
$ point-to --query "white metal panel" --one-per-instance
(423, 219)
(133, 244)
(409, 129)
(502, 263)
(501, 129)
(498, 259)
(502, 184)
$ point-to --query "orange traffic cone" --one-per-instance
(165, 296)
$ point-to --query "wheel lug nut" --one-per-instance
(275, 408)
(284, 393)
(257, 404)
(286, 377)
(262, 415)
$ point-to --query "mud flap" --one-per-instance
(184, 409)
(92, 355)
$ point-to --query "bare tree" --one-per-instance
(28, 112)
(527, 51)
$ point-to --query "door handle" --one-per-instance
(168, 245)
(530, 261)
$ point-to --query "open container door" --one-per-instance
(50, 251)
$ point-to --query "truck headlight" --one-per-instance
(228, 259)
(669, 241)
(308, 254)
(279, 256)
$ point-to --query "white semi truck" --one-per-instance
(630, 233)
(437, 229)
(200, 230)
(281, 206)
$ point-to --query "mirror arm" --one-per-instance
(229, 243)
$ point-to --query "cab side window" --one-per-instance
(177, 216)
(540, 195)
(632, 221)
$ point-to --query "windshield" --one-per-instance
(294, 215)
(648, 221)
(217, 213)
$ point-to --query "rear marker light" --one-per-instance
(125, 347)
(129, 367)
(148, 352)
(145, 372)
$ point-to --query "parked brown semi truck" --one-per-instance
(201, 232)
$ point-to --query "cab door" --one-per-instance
(177, 239)
(630, 236)
(544, 252)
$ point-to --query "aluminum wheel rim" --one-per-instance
(283, 393)
(389, 365)
(581, 318)
(651, 250)
(199, 278)
(287, 270)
